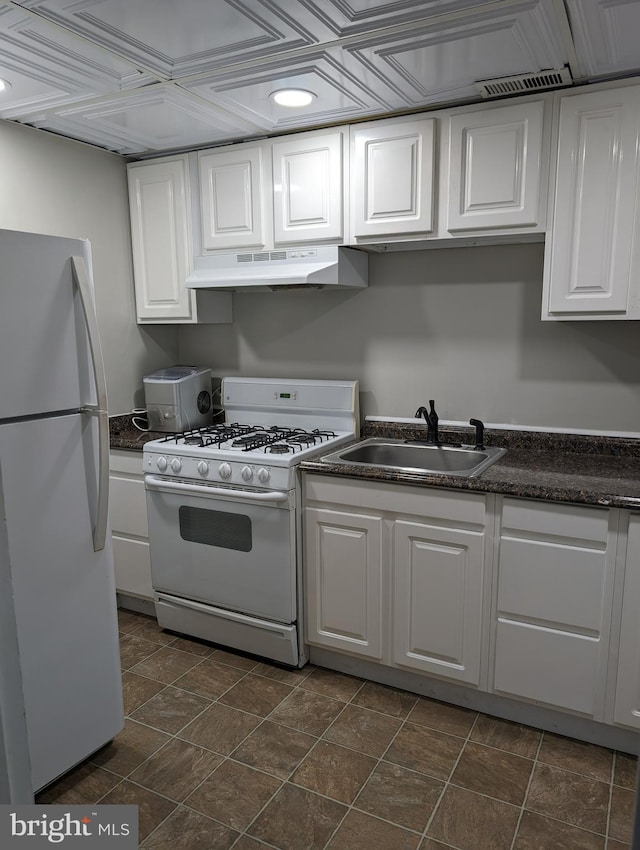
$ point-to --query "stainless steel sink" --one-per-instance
(402, 456)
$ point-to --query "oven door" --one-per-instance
(233, 549)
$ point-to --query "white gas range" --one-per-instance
(224, 514)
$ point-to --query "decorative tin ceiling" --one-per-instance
(146, 76)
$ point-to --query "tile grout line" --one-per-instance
(447, 782)
(229, 757)
(313, 747)
(611, 784)
(526, 793)
(351, 806)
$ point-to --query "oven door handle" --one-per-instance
(154, 483)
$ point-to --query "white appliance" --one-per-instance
(178, 398)
(321, 266)
(223, 505)
(55, 546)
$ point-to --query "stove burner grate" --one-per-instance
(278, 449)
(276, 439)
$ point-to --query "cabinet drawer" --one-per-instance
(132, 564)
(556, 583)
(450, 506)
(128, 463)
(128, 506)
(552, 667)
(570, 521)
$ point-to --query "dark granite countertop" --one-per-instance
(603, 471)
(124, 436)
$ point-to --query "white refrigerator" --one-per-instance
(60, 684)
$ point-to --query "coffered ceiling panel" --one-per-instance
(341, 18)
(342, 91)
(440, 60)
(175, 38)
(607, 35)
(147, 76)
(159, 117)
(47, 66)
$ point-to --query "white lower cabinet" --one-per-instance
(130, 532)
(437, 603)
(553, 597)
(344, 580)
(520, 598)
(369, 543)
(627, 692)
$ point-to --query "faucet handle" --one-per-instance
(479, 426)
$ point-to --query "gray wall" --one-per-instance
(458, 325)
(65, 188)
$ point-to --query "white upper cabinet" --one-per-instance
(591, 257)
(159, 201)
(392, 179)
(232, 192)
(285, 192)
(309, 174)
(496, 169)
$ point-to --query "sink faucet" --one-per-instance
(431, 418)
(479, 426)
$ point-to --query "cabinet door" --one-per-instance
(555, 567)
(590, 269)
(161, 239)
(128, 512)
(392, 167)
(232, 188)
(627, 700)
(308, 201)
(438, 584)
(495, 159)
(343, 556)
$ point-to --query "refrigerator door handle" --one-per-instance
(81, 277)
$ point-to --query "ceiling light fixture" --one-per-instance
(4, 85)
(292, 97)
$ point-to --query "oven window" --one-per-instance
(215, 528)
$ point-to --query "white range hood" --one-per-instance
(320, 266)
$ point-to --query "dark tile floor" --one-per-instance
(223, 751)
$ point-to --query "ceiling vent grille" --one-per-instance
(522, 83)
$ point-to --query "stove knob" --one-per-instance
(161, 463)
(203, 467)
(247, 473)
(263, 475)
(176, 464)
(224, 470)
